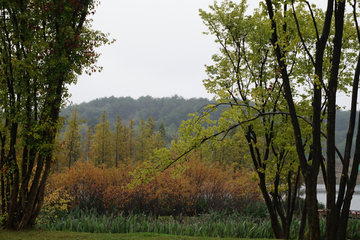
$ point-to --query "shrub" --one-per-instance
(200, 188)
(56, 205)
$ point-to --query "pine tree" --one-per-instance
(160, 139)
(72, 138)
(130, 139)
(102, 142)
(88, 143)
(59, 154)
(145, 140)
(120, 147)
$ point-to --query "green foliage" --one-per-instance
(248, 81)
(44, 46)
(72, 138)
(120, 142)
(255, 210)
(56, 206)
(169, 110)
(207, 225)
(212, 225)
(185, 106)
(87, 145)
(102, 145)
(161, 137)
(145, 140)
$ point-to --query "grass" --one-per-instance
(38, 234)
(209, 225)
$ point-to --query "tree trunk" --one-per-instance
(312, 209)
(275, 224)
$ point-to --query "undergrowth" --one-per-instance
(213, 224)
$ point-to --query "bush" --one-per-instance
(255, 210)
(200, 188)
(56, 205)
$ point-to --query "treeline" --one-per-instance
(123, 145)
(128, 143)
(170, 111)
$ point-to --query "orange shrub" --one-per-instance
(201, 187)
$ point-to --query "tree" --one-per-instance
(298, 53)
(102, 146)
(333, 59)
(44, 46)
(263, 59)
(88, 144)
(245, 78)
(145, 140)
(59, 155)
(232, 151)
(119, 142)
(72, 138)
(160, 138)
(130, 136)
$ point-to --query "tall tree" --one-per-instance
(333, 61)
(145, 140)
(263, 59)
(231, 150)
(119, 142)
(245, 78)
(72, 138)
(102, 145)
(88, 144)
(160, 138)
(44, 45)
(130, 136)
(59, 154)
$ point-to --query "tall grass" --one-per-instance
(207, 225)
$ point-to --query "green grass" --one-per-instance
(208, 225)
(38, 234)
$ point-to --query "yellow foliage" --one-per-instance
(56, 204)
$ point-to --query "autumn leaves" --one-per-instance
(199, 188)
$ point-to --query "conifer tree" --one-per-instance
(119, 142)
(72, 138)
(160, 138)
(59, 154)
(88, 143)
(102, 142)
(162, 131)
(130, 139)
(145, 140)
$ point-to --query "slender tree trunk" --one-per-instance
(332, 215)
(275, 224)
(303, 222)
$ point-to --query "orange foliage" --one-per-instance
(201, 187)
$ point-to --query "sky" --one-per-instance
(159, 51)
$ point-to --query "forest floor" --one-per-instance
(39, 234)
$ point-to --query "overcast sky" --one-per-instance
(159, 50)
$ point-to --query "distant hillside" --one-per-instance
(169, 110)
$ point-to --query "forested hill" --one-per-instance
(169, 110)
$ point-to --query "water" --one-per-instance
(355, 202)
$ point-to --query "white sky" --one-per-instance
(160, 50)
